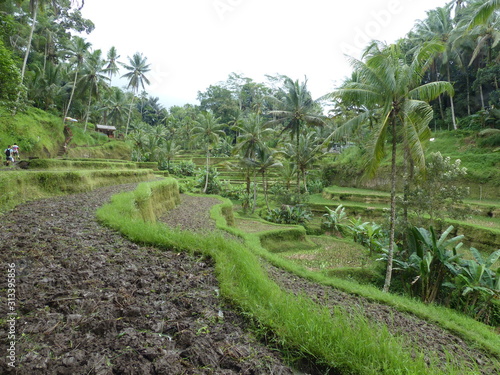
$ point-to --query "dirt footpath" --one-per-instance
(91, 302)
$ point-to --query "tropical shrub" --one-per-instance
(435, 193)
(431, 260)
(231, 191)
(214, 184)
(315, 186)
(370, 235)
(285, 196)
(183, 168)
(477, 288)
(286, 214)
(335, 220)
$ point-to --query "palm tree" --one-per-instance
(92, 79)
(296, 109)
(481, 23)
(389, 85)
(265, 160)
(168, 151)
(251, 139)
(112, 63)
(438, 26)
(305, 154)
(115, 107)
(483, 14)
(77, 51)
(35, 6)
(207, 130)
(137, 69)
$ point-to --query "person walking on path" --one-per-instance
(8, 155)
(15, 151)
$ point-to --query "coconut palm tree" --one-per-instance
(137, 69)
(263, 161)
(92, 79)
(207, 130)
(439, 26)
(295, 110)
(115, 107)
(251, 139)
(389, 85)
(77, 52)
(35, 6)
(305, 155)
(112, 63)
(483, 13)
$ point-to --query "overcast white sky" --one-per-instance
(192, 44)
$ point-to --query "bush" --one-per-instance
(298, 214)
(285, 196)
(491, 140)
(232, 192)
(315, 186)
(183, 168)
(335, 219)
(214, 184)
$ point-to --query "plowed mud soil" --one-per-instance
(88, 301)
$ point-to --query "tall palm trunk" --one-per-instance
(26, 55)
(481, 95)
(390, 255)
(88, 114)
(264, 184)
(208, 166)
(129, 114)
(468, 91)
(72, 93)
(298, 160)
(452, 105)
(30, 38)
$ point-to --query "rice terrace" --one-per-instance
(261, 230)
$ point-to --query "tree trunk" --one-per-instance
(206, 177)
(482, 96)
(71, 95)
(388, 274)
(26, 55)
(468, 92)
(453, 119)
(264, 185)
(254, 192)
(88, 114)
(129, 113)
(297, 163)
(441, 108)
(28, 47)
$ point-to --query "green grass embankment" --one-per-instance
(21, 186)
(86, 164)
(482, 163)
(111, 150)
(346, 342)
(37, 133)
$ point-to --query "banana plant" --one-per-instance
(433, 260)
(335, 219)
(479, 284)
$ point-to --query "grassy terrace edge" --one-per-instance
(22, 186)
(348, 343)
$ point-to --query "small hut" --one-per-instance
(106, 129)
